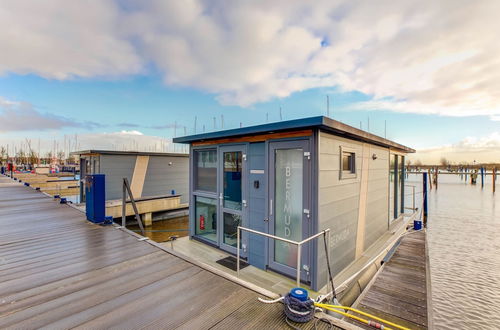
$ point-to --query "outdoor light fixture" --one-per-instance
(374, 156)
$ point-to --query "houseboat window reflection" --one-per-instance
(288, 197)
(231, 223)
(206, 218)
(205, 162)
(232, 180)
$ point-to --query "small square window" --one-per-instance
(347, 163)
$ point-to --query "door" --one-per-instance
(289, 200)
(232, 195)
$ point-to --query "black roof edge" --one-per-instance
(321, 122)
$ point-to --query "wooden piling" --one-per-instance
(494, 178)
(482, 177)
(430, 178)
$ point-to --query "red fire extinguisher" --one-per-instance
(202, 222)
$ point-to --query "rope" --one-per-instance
(297, 310)
(334, 294)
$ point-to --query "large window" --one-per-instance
(205, 168)
(396, 186)
(206, 218)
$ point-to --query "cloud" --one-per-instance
(439, 57)
(22, 116)
(128, 125)
(481, 149)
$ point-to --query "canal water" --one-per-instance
(162, 230)
(464, 251)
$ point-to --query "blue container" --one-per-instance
(95, 198)
(417, 224)
(299, 293)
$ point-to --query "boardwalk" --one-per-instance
(59, 271)
(399, 291)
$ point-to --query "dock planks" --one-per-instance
(59, 271)
(399, 291)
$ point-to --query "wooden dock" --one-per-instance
(59, 271)
(399, 293)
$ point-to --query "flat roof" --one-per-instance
(320, 122)
(133, 153)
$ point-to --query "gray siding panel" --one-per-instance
(338, 204)
(165, 174)
(257, 204)
(116, 167)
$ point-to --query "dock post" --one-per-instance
(124, 205)
(430, 178)
(424, 196)
(494, 178)
(482, 177)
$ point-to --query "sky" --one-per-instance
(130, 75)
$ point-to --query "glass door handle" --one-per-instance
(221, 198)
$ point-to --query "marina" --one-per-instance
(60, 271)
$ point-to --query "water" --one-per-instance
(162, 230)
(464, 250)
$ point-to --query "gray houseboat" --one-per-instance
(149, 173)
(293, 179)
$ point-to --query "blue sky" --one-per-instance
(131, 72)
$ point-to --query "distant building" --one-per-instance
(293, 179)
(149, 173)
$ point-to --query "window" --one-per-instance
(347, 163)
(205, 170)
(206, 217)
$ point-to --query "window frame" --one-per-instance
(346, 174)
(196, 173)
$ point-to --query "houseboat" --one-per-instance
(294, 179)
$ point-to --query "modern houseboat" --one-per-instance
(293, 179)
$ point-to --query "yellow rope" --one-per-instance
(333, 308)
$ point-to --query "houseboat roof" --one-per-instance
(320, 122)
(128, 153)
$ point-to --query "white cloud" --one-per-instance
(480, 149)
(439, 57)
(22, 116)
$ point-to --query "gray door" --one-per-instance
(232, 195)
(289, 205)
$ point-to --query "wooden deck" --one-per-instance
(59, 271)
(399, 291)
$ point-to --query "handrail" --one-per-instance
(413, 195)
(299, 245)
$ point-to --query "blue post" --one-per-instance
(95, 206)
(424, 196)
(482, 177)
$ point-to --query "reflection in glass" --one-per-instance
(206, 218)
(205, 163)
(232, 180)
(392, 178)
(288, 205)
(231, 223)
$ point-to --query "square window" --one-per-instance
(347, 163)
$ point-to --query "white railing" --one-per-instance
(299, 245)
(413, 196)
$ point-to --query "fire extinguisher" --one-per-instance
(202, 222)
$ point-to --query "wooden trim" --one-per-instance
(257, 138)
(139, 175)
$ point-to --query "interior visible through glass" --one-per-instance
(205, 162)
(231, 223)
(232, 180)
(288, 203)
(206, 218)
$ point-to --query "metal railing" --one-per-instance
(413, 197)
(298, 244)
